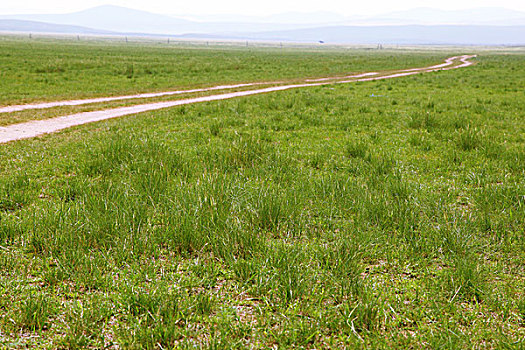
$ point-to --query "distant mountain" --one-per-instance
(305, 17)
(423, 15)
(403, 34)
(114, 18)
(475, 16)
(481, 26)
(125, 20)
(320, 17)
(15, 25)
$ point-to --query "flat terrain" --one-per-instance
(383, 214)
(42, 70)
(38, 127)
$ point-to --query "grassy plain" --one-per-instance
(45, 69)
(383, 214)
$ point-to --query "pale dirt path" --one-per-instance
(44, 105)
(41, 127)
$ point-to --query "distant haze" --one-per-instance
(477, 26)
(250, 8)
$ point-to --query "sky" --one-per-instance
(247, 7)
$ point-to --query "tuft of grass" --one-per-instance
(358, 150)
(13, 192)
(215, 128)
(271, 210)
(362, 317)
(245, 151)
(344, 268)
(467, 281)
(423, 120)
(50, 69)
(34, 312)
(521, 311)
(86, 323)
(469, 138)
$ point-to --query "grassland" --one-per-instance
(32, 71)
(385, 214)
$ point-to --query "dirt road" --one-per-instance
(40, 127)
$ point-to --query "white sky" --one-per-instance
(251, 7)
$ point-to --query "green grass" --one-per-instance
(53, 70)
(47, 113)
(316, 218)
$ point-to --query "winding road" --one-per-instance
(40, 127)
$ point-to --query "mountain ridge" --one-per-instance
(124, 21)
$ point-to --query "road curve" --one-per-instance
(44, 105)
(40, 127)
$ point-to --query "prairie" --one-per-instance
(44, 69)
(385, 214)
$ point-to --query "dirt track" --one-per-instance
(40, 127)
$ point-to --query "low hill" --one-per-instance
(15, 25)
(417, 26)
(126, 20)
(408, 34)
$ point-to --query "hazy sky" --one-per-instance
(247, 7)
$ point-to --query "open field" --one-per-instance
(41, 70)
(39, 127)
(386, 214)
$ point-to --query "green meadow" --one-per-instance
(48, 70)
(377, 215)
